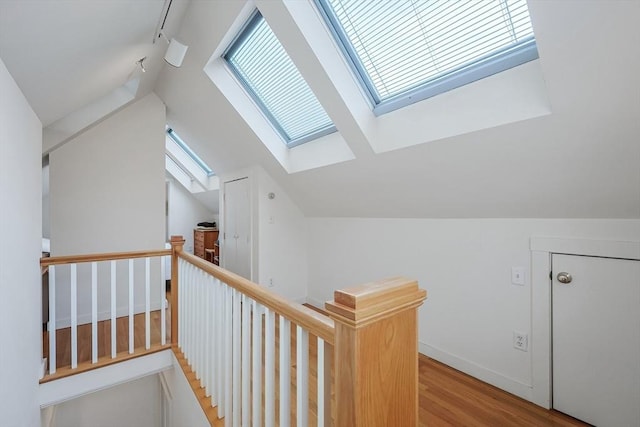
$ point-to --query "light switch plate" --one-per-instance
(517, 276)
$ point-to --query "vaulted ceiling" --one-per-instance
(579, 159)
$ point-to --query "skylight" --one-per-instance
(259, 61)
(174, 136)
(404, 51)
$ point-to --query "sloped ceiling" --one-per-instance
(66, 54)
(580, 161)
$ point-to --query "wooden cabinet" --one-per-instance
(203, 240)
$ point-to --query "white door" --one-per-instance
(596, 339)
(236, 250)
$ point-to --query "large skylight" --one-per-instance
(404, 51)
(174, 136)
(263, 66)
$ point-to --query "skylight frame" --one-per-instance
(237, 43)
(484, 66)
(201, 164)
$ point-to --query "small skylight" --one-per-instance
(259, 61)
(174, 136)
(404, 51)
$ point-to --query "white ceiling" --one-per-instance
(582, 160)
(66, 54)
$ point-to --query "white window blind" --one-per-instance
(265, 69)
(407, 50)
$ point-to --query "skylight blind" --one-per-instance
(398, 46)
(268, 74)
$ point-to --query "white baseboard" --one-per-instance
(483, 374)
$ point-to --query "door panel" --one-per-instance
(236, 253)
(596, 339)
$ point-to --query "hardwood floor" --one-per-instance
(63, 338)
(450, 398)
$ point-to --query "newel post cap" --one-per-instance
(177, 241)
(367, 303)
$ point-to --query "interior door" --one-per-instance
(596, 339)
(236, 252)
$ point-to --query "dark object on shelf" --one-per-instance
(207, 224)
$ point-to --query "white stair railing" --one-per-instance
(81, 275)
(228, 326)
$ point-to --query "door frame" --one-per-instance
(542, 249)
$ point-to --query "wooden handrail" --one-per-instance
(314, 322)
(76, 259)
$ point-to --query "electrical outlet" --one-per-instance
(271, 282)
(520, 341)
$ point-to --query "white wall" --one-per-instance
(46, 225)
(185, 212)
(279, 241)
(21, 229)
(136, 403)
(107, 192)
(282, 241)
(465, 266)
(185, 408)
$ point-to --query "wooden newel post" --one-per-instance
(376, 353)
(177, 243)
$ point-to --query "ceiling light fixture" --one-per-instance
(140, 62)
(176, 50)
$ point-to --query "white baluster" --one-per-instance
(193, 324)
(94, 312)
(226, 367)
(210, 312)
(203, 330)
(147, 303)
(113, 310)
(181, 267)
(285, 372)
(215, 344)
(196, 324)
(74, 316)
(201, 325)
(186, 287)
(52, 319)
(246, 359)
(236, 361)
(163, 300)
(257, 365)
(320, 376)
(269, 368)
(220, 349)
(131, 306)
(302, 376)
(190, 312)
(206, 334)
